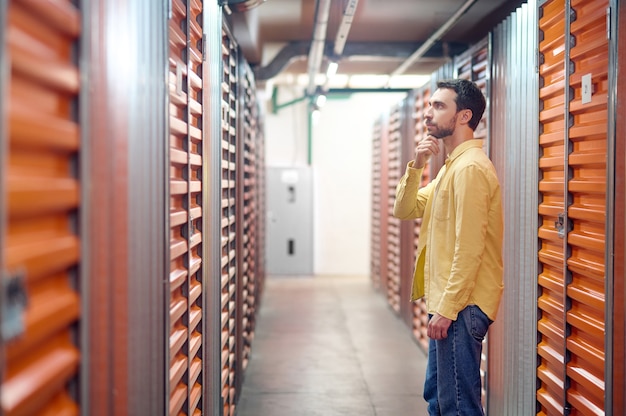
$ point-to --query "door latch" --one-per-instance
(559, 224)
(14, 302)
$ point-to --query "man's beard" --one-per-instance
(441, 132)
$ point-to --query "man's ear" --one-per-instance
(467, 115)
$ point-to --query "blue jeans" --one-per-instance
(452, 386)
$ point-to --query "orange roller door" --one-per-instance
(587, 212)
(551, 281)
(571, 299)
(40, 247)
(186, 291)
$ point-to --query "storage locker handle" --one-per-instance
(14, 303)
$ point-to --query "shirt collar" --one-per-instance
(460, 149)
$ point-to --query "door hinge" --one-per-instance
(14, 302)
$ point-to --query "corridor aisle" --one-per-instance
(331, 346)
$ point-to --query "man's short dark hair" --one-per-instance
(468, 96)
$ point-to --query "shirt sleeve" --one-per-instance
(410, 199)
(472, 196)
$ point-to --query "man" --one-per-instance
(459, 255)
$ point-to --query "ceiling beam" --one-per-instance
(401, 50)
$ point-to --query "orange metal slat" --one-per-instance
(178, 308)
(49, 312)
(552, 406)
(178, 337)
(38, 36)
(60, 15)
(30, 384)
(586, 267)
(177, 399)
(32, 129)
(178, 247)
(588, 352)
(40, 258)
(61, 405)
(587, 389)
(50, 73)
(38, 196)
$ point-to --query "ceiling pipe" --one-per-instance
(340, 40)
(297, 50)
(433, 38)
(316, 53)
(344, 27)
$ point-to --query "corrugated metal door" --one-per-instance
(551, 280)
(228, 215)
(40, 189)
(571, 322)
(185, 189)
(514, 99)
(586, 213)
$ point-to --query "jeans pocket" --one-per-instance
(479, 323)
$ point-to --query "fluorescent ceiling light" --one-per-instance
(321, 100)
(332, 69)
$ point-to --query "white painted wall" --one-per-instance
(341, 158)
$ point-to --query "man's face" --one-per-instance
(441, 115)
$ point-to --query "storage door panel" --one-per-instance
(551, 280)
(229, 223)
(378, 242)
(587, 212)
(41, 247)
(420, 313)
(185, 190)
(393, 230)
(249, 217)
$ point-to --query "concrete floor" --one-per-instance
(331, 346)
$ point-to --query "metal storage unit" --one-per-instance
(394, 172)
(380, 189)
(419, 324)
(250, 215)
(186, 199)
(230, 61)
(39, 193)
(572, 284)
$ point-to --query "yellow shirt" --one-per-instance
(459, 255)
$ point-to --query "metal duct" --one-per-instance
(433, 38)
(316, 52)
